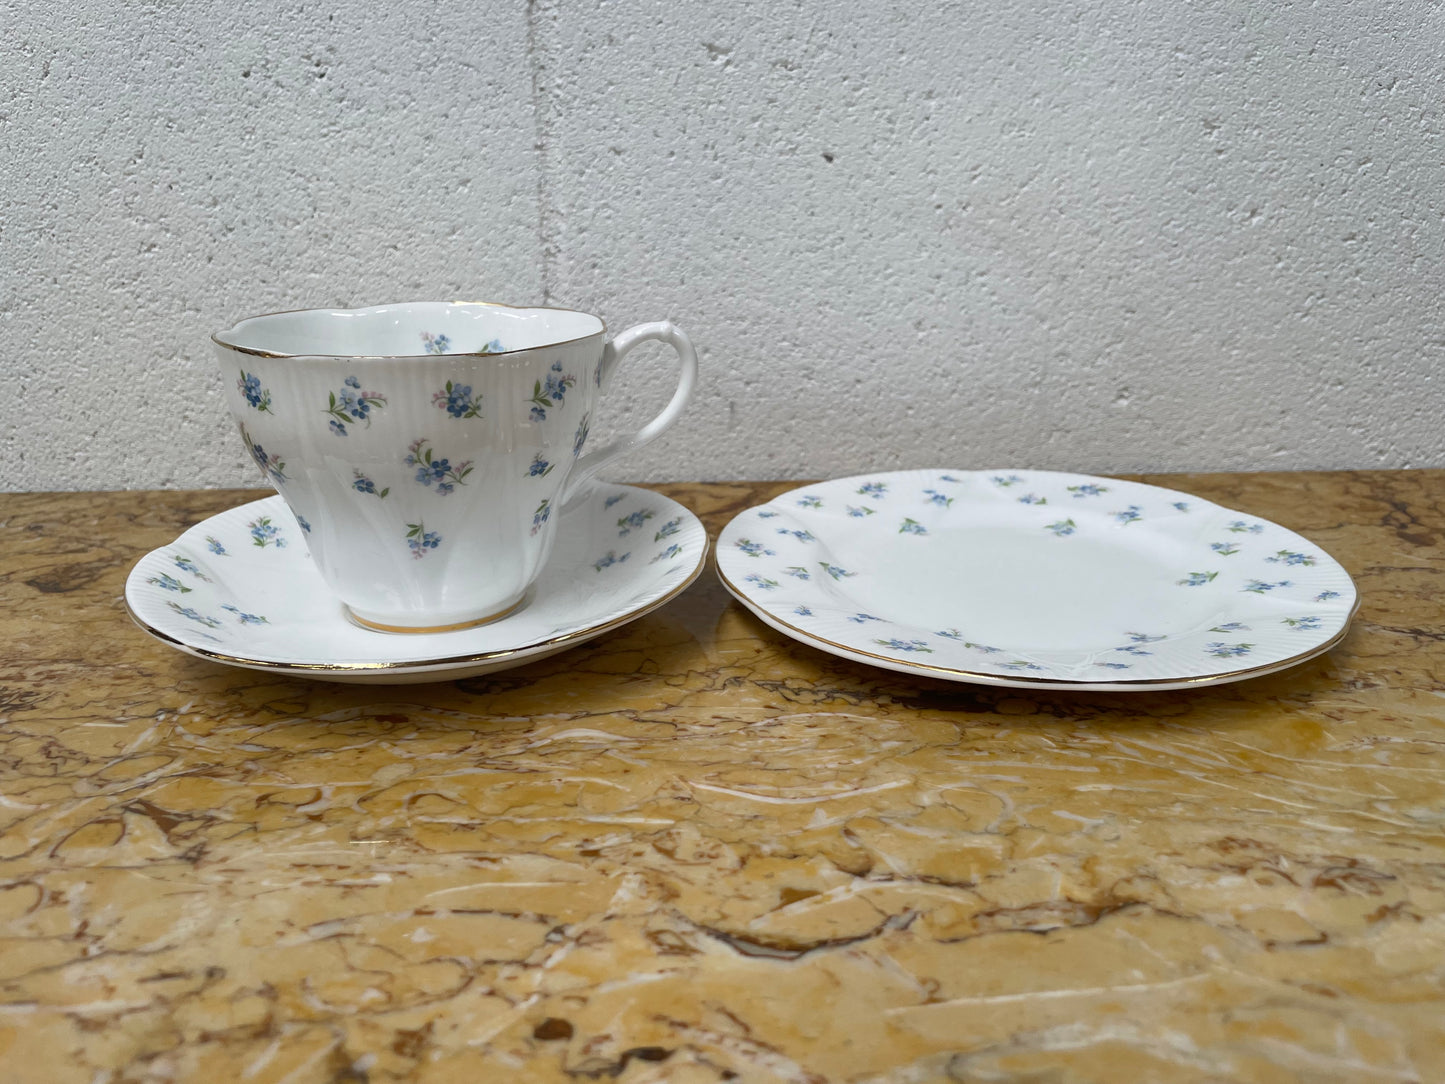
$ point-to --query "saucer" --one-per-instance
(1029, 578)
(240, 589)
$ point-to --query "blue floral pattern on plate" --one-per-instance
(1199, 600)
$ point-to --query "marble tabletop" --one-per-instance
(694, 850)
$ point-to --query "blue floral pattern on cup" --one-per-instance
(256, 396)
(457, 400)
(270, 463)
(609, 559)
(541, 515)
(435, 471)
(362, 484)
(421, 541)
(350, 405)
(540, 468)
(550, 392)
(435, 344)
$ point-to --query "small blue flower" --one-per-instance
(1062, 528)
(1224, 549)
(935, 497)
(810, 502)
(419, 540)
(859, 619)
(798, 572)
(802, 611)
(352, 382)
(859, 513)
(185, 564)
(362, 484)
(264, 533)
(754, 549)
(1230, 626)
(1133, 649)
(761, 581)
(457, 400)
(1302, 624)
(168, 582)
(668, 529)
(1005, 480)
(1132, 514)
(610, 501)
(435, 344)
(1238, 526)
(1183, 506)
(1029, 498)
(912, 526)
(300, 519)
(199, 618)
(1113, 665)
(834, 571)
(1196, 579)
(667, 554)
(214, 545)
(1088, 490)
(338, 428)
(801, 536)
(1325, 596)
(1286, 557)
(255, 395)
(1259, 587)
(950, 634)
(1020, 664)
(875, 490)
(767, 515)
(244, 618)
(579, 438)
(632, 522)
(909, 646)
(985, 648)
(1227, 651)
(948, 478)
(540, 468)
(1144, 638)
(609, 560)
(542, 514)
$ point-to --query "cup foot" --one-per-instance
(381, 626)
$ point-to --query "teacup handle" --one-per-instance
(612, 355)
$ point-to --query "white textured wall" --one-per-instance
(1100, 236)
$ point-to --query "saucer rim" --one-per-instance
(413, 666)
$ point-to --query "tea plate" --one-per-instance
(1028, 578)
(240, 588)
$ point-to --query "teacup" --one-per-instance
(427, 448)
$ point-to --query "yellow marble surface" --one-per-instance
(694, 850)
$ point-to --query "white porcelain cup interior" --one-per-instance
(426, 448)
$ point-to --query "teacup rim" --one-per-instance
(254, 352)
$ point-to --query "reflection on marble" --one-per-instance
(693, 850)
